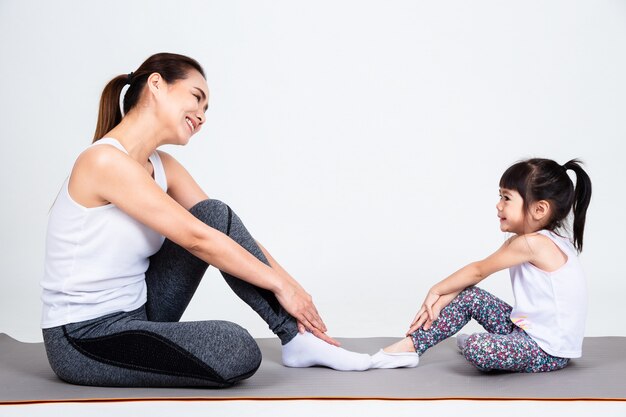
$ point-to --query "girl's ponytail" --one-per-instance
(582, 197)
(109, 113)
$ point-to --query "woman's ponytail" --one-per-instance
(582, 197)
(109, 113)
(171, 67)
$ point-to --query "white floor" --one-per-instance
(322, 408)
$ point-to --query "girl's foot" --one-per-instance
(461, 340)
(384, 360)
(399, 355)
(403, 345)
(306, 350)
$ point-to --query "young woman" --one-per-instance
(129, 238)
(546, 326)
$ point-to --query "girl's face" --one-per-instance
(182, 107)
(511, 211)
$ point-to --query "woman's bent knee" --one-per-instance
(209, 207)
(244, 356)
(214, 213)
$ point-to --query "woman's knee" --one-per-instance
(63, 360)
(243, 357)
(209, 206)
(214, 213)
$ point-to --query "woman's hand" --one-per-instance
(291, 281)
(300, 305)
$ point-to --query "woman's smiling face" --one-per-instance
(183, 106)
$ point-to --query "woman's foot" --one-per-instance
(399, 355)
(306, 350)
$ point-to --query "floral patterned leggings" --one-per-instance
(505, 347)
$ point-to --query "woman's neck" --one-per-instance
(138, 135)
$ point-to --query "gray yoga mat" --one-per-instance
(443, 373)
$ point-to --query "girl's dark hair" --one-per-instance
(543, 179)
(171, 67)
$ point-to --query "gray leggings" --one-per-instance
(150, 347)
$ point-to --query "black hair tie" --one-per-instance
(129, 78)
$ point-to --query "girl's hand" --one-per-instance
(300, 305)
(426, 319)
(420, 318)
(426, 312)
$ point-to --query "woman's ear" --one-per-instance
(540, 210)
(155, 82)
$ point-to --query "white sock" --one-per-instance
(387, 360)
(461, 340)
(306, 350)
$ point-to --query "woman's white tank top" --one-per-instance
(96, 258)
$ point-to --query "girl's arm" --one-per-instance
(516, 250)
(112, 176)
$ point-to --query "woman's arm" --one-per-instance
(184, 189)
(112, 176)
(276, 266)
(180, 184)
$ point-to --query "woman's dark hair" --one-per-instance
(171, 67)
(543, 179)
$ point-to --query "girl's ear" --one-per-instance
(540, 210)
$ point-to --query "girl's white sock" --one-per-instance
(306, 350)
(386, 360)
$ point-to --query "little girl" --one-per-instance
(545, 328)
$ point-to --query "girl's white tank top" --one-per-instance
(551, 307)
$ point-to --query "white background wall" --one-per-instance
(361, 141)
